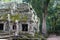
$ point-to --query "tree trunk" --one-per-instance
(44, 25)
(44, 30)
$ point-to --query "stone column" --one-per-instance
(20, 26)
(10, 27)
(4, 27)
(17, 28)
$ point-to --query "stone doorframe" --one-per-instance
(25, 23)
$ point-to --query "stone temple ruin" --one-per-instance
(18, 18)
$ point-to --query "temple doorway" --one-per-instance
(24, 27)
(14, 26)
(1, 26)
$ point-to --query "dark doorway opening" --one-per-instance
(14, 27)
(1, 26)
(24, 27)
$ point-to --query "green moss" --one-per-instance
(18, 17)
(15, 17)
(4, 17)
(24, 18)
(37, 35)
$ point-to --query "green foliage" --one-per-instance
(26, 1)
(38, 7)
(53, 18)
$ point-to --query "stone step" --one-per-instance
(6, 36)
(6, 33)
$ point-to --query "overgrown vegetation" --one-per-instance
(53, 18)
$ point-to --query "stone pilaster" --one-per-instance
(17, 28)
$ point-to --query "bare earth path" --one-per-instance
(53, 37)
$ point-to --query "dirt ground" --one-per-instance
(53, 37)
